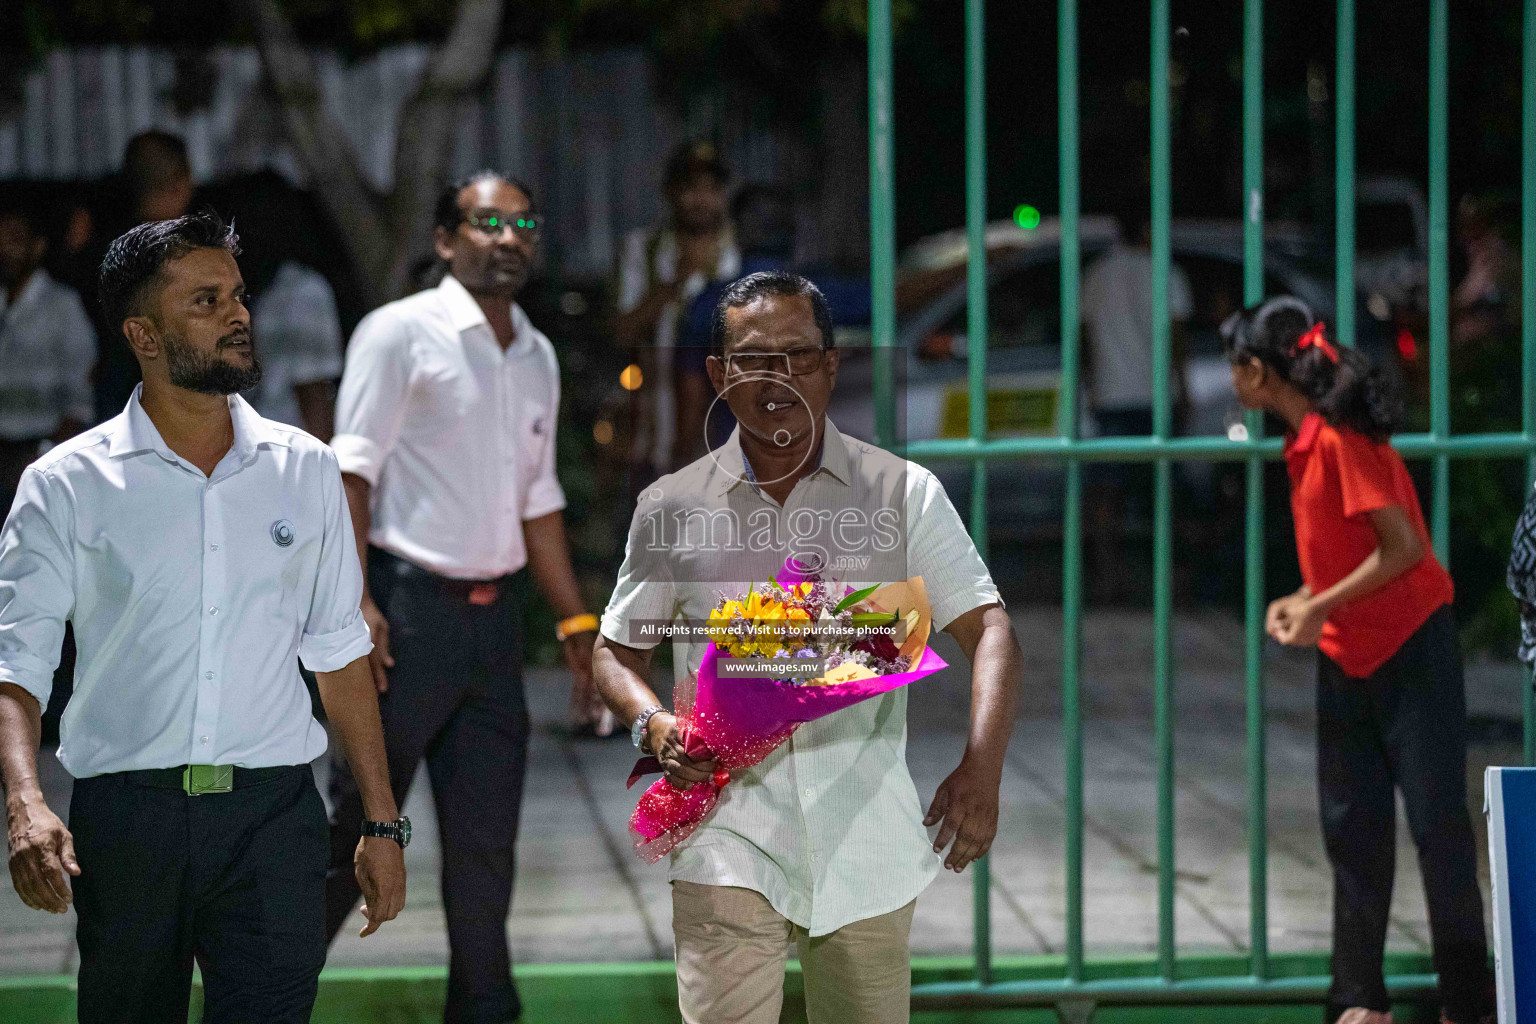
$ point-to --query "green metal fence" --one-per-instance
(1075, 994)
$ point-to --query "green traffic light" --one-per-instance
(1026, 217)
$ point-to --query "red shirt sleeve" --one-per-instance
(1365, 473)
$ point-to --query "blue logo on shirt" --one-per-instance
(282, 533)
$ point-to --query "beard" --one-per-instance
(206, 374)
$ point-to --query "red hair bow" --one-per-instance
(1314, 339)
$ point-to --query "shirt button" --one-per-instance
(204, 739)
(213, 611)
(207, 675)
(808, 793)
(213, 547)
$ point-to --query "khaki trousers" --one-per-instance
(732, 948)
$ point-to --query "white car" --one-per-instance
(1024, 350)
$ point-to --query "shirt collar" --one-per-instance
(464, 313)
(1305, 436)
(135, 432)
(733, 464)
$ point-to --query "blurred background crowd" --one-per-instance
(672, 147)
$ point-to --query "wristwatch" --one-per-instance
(399, 830)
(637, 731)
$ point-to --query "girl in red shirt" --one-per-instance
(1376, 603)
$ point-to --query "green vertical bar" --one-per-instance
(1439, 276)
(1072, 525)
(976, 349)
(1253, 597)
(1344, 176)
(1528, 302)
(1528, 713)
(882, 222)
(1162, 538)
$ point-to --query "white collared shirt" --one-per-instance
(190, 594)
(47, 349)
(649, 257)
(298, 337)
(455, 435)
(828, 827)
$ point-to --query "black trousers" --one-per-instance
(455, 697)
(235, 880)
(1405, 725)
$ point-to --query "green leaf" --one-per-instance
(855, 597)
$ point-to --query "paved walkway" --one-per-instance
(582, 895)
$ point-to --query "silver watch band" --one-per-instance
(637, 731)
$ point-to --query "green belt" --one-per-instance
(198, 779)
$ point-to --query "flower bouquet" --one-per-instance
(822, 647)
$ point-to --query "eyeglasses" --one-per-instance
(795, 363)
(493, 223)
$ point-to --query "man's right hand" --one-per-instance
(379, 659)
(665, 738)
(42, 855)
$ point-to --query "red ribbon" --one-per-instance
(1314, 339)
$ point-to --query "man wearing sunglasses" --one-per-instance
(445, 431)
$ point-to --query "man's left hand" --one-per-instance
(966, 803)
(380, 867)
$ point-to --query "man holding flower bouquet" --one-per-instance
(821, 842)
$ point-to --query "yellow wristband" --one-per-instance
(586, 622)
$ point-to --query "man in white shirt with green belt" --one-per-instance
(823, 844)
(200, 552)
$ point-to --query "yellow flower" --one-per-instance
(721, 618)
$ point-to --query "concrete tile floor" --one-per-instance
(582, 895)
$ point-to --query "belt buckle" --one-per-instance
(197, 779)
(482, 594)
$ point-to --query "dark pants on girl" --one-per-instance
(234, 880)
(1405, 725)
(455, 697)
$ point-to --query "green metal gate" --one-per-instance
(1074, 994)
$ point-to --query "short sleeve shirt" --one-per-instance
(1117, 309)
(828, 827)
(1338, 477)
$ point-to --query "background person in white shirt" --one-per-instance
(823, 844)
(1117, 363)
(198, 549)
(445, 430)
(662, 268)
(299, 334)
(47, 347)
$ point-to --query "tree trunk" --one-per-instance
(383, 231)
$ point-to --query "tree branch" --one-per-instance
(423, 144)
(322, 145)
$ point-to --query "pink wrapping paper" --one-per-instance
(740, 721)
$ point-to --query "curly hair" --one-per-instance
(1351, 392)
(135, 258)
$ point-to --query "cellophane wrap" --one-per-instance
(740, 721)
